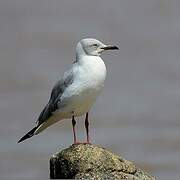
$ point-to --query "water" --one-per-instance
(137, 115)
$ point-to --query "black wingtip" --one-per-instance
(24, 138)
(28, 135)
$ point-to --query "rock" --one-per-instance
(86, 161)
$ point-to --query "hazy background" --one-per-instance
(138, 113)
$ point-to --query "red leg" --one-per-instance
(74, 130)
(87, 128)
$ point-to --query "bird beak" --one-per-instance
(110, 47)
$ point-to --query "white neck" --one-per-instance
(79, 52)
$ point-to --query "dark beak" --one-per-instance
(109, 47)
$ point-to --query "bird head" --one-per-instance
(93, 47)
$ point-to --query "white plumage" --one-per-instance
(76, 92)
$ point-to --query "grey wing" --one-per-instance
(56, 93)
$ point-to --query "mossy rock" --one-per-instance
(86, 161)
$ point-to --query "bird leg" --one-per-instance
(74, 130)
(87, 128)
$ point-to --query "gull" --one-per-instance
(75, 93)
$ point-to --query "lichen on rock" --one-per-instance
(86, 161)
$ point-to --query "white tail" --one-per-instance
(47, 123)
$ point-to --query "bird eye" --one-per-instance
(95, 45)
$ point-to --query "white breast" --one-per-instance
(92, 72)
(89, 80)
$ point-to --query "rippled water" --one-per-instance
(137, 115)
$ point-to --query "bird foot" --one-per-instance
(76, 143)
(86, 142)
